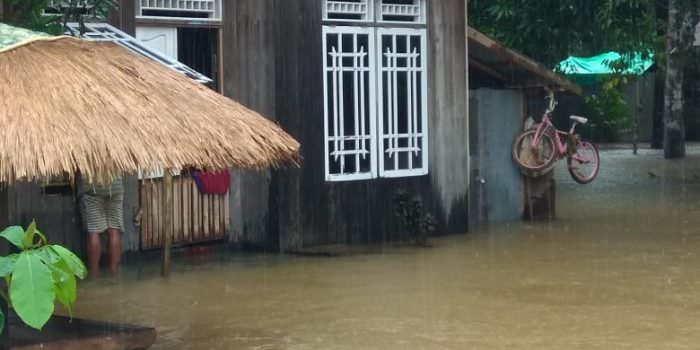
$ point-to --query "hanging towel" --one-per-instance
(217, 182)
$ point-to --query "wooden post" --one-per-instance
(540, 198)
(637, 110)
(167, 230)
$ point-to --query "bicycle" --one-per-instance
(537, 149)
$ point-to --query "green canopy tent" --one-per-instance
(589, 70)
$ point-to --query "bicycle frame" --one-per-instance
(563, 143)
(546, 123)
(561, 147)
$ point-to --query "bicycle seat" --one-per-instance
(580, 120)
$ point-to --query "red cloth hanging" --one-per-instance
(213, 182)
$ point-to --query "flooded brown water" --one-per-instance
(619, 269)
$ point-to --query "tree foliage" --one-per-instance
(551, 30)
(33, 14)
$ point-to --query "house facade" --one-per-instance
(374, 90)
(376, 93)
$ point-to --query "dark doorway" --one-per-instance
(198, 49)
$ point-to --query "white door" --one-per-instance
(161, 39)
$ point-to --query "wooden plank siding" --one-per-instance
(273, 63)
(314, 212)
(125, 17)
(190, 226)
(249, 37)
(56, 215)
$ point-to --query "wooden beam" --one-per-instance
(167, 221)
(220, 60)
(62, 332)
(488, 70)
(160, 22)
(522, 61)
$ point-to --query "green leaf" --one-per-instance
(7, 264)
(44, 241)
(32, 290)
(74, 263)
(29, 235)
(14, 234)
(65, 285)
(48, 255)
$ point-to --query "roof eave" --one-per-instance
(545, 76)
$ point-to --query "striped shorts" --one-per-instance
(102, 212)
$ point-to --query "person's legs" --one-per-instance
(114, 210)
(94, 250)
(114, 247)
(92, 210)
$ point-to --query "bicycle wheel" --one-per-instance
(531, 157)
(584, 163)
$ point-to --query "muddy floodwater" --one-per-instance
(619, 269)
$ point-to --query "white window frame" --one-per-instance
(214, 15)
(376, 118)
(368, 13)
(420, 18)
(372, 106)
(412, 117)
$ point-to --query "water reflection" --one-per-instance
(618, 270)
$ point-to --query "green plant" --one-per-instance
(609, 113)
(410, 213)
(38, 275)
(38, 15)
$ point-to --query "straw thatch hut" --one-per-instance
(69, 105)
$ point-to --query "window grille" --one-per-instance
(375, 102)
(207, 10)
(402, 102)
(106, 32)
(347, 10)
(349, 103)
(375, 89)
(409, 11)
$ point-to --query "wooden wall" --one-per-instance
(248, 39)
(449, 111)
(124, 18)
(315, 212)
(56, 215)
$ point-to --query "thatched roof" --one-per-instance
(68, 104)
